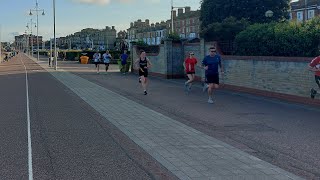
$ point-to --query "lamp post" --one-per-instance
(0, 44)
(269, 14)
(30, 27)
(37, 13)
(305, 11)
(172, 7)
(54, 35)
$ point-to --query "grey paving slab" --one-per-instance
(188, 153)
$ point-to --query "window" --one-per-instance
(310, 14)
(187, 30)
(300, 16)
(290, 16)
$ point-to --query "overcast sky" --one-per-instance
(74, 15)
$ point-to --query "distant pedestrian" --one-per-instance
(124, 57)
(106, 59)
(189, 66)
(50, 59)
(211, 64)
(314, 66)
(96, 60)
(143, 64)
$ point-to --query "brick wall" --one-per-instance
(281, 77)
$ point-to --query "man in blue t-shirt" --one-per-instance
(124, 57)
(211, 64)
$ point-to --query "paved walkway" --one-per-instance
(186, 152)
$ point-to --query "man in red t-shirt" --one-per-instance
(315, 67)
(189, 66)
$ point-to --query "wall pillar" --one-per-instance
(168, 57)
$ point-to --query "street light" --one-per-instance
(37, 12)
(31, 24)
(172, 7)
(0, 43)
(54, 35)
(269, 13)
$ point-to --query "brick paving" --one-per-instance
(186, 152)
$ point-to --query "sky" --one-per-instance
(74, 15)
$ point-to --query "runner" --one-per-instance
(189, 66)
(96, 60)
(211, 64)
(142, 64)
(106, 59)
(124, 57)
(315, 67)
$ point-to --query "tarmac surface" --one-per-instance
(73, 139)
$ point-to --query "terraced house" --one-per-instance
(303, 10)
(186, 24)
(92, 38)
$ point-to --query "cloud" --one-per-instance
(126, 1)
(153, 1)
(99, 2)
(105, 2)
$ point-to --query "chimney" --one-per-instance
(187, 9)
(174, 14)
(180, 11)
(131, 24)
(147, 22)
(112, 27)
(152, 25)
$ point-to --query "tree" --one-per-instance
(224, 31)
(253, 10)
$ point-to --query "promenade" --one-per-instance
(183, 150)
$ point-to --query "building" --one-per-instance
(186, 23)
(88, 38)
(151, 34)
(25, 41)
(304, 10)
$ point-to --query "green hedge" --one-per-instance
(280, 39)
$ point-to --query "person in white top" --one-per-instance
(106, 59)
(96, 60)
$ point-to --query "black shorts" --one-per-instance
(191, 72)
(96, 63)
(317, 79)
(145, 73)
(212, 78)
(106, 64)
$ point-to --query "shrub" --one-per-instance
(224, 31)
(280, 39)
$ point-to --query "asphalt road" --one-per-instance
(284, 134)
(69, 139)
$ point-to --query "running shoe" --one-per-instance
(210, 101)
(205, 87)
(313, 93)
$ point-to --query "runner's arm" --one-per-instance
(221, 67)
(149, 63)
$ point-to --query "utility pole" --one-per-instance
(37, 13)
(0, 43)
(31, 24)
(172, 30)
(305, 11)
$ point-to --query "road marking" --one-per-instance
(29, 129)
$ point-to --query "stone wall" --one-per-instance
(281, 77)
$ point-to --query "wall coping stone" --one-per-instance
(268, 58)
